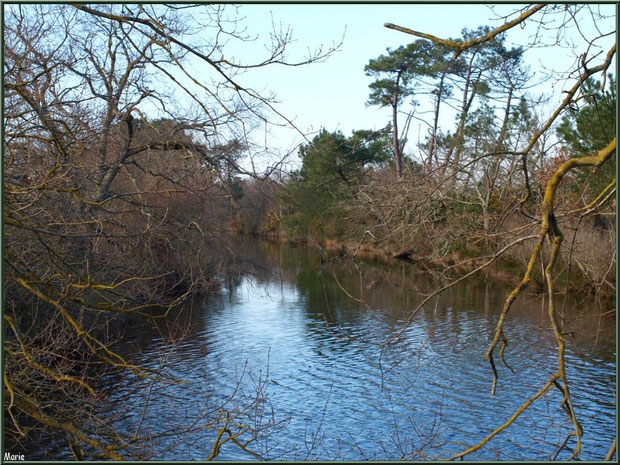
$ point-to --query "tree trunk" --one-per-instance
(398, 156)
(432, 149)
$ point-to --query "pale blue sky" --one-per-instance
(333, 94)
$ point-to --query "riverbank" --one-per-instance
(508, 268)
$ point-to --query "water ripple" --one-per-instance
(330, 376)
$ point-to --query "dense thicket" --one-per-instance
(121, 169)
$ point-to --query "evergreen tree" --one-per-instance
(395, 75)
(332, 167)
(588, 128)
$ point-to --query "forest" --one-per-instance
(126, 178)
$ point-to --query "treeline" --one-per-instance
(462, 195)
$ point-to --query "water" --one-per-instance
(293, 351)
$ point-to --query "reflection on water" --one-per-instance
(305, 337)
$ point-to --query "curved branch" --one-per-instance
(462, 46)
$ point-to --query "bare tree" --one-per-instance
(122, 123)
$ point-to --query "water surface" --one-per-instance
(292, 349)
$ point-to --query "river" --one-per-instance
(293, 350)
